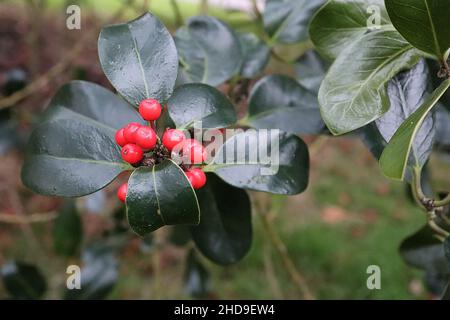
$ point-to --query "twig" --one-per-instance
(282, 251)
(179, 21)
(27, 219)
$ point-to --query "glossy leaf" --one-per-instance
(424, 23)
(196, 277)
(179, 235)
(286, 21)
(395, 156)
(339, 23)
(139, 58)
(372, 139)
(407, 91)
(280, 102)
(243, 162)
(224, 234)
(160, 195)
(99, 274)
(67, 230)
(310, 69)
(72, 152)
(422, 250)
(353, 92)
(255, 54)
(209, 51)
(442, 120)
(200, 102)
(23, 280)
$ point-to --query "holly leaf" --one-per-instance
(243, 162)
(72, 152)
(196, 277)
(339, 23)
(256, 55)
(99, 274)
(395, 156)
(424, 23)
(280, 102)
(139, 58)
(353, 92)
(310, 69)
(23, 280)
(407, 91)
(423, 251)
(160, 195)
(209, 51)
(286, 21)
(67, 230)
(224, 234)
(197, 102)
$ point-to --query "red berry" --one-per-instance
(194, 151)
(129, 132)
(120, 138)
(132, 153)
(150, 109)
(146, 138)
(196, 177)
(122, 192)
(172, 137)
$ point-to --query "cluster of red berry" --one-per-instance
(136, 140)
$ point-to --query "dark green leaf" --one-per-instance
(196, 277)
(99, 274)
(424, 23)
(280, 102)
(160, 195)
(447, 250)
(311, 69)
(255, 53)
(353, 92)
(199, 102)
(339, 23)
(407, 91)
(209, 51)
(72, 152)
(442, 120)
(179, 235)
(422, 250)
(372, 139)
(286, 21)
(139, 58)
(242, 162)
(395, 156)
(23, 281)
(224, 234)
(67, 230)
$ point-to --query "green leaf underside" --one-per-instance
(256, 55)
(424, 23)
(200, 102)
(209, 51)
(280, 102)
(287, 21)
(67, 230)
(341, 22)
(407, 92)
(160, 195)
(72, 152)
(139, 58)
(224, 234)
(284, 172)
(394, 159)
(353, 92)
(99, 273)
(23, 281)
